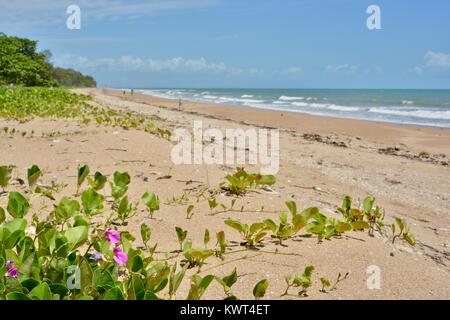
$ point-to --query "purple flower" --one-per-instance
(113, 236)
(9, 263)
(12, 272)
(120, 257)
(96, 256)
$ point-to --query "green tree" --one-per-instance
(21, 64)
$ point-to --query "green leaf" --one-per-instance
(360, 225)
(151, 201)
(181, 234)
(137, 264)
(98, 182)
(150, 296)
(76, 236)
(42, 292)
(260, 289)
(267, 179)
(2, 215)
(67, 208)
(230, 279)
(5, 175)
(18, 205)
(17, 296)
(122, 179)
(235, 225)
(83, 172)
(114, 294)
(271, 225)
(33, 175)
(92, 202)
(292, 207)
(206, 237)
(176, 278)
(343, 227)
(368, 204)
(102, 279)
(145, 233)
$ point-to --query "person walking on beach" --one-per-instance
(132, 91)
(180, 103)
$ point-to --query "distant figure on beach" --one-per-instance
(132, 91)
(180, 103)
(124, 92)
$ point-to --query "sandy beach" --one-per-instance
(322, 159)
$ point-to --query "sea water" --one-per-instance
(420, 107)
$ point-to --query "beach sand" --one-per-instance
(406, 168)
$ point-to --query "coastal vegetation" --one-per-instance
(22, 65)
(67, 253)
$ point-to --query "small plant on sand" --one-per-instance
(195, 257)
(33, 175)
(227, 282)
(241, 181)
(302, 281)
(252, 234)
(260, 289)
(181, 236)
(221, 244)
(99, 181)
(83, 172)
(400, 230)
(327, 283)
(93, 202)
(175, 279)
(190, 211)
(368, 217)
(151, 201)
(120, 186)
(198, 286)
(145, 234)
(5, 176)
(125, 210)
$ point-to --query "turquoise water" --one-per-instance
(421, 107)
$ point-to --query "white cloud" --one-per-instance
(38, 13)
(136, 64)
(437, 60)
(341, 68)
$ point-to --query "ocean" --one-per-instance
(420, 107)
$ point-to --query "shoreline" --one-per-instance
(417, 138)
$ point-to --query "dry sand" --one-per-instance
(321, 159)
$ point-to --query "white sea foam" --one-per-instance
(427, 114)
(326, 106)
(207, 96)
(227, 99)
(408, 102)
(342, 108)
(286, 98)
(247, 96)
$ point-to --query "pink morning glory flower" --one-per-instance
(113, 236)
(12, 272)
(120, 257)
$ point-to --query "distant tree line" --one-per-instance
(22, 65)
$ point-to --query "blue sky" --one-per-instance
(243, 43)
